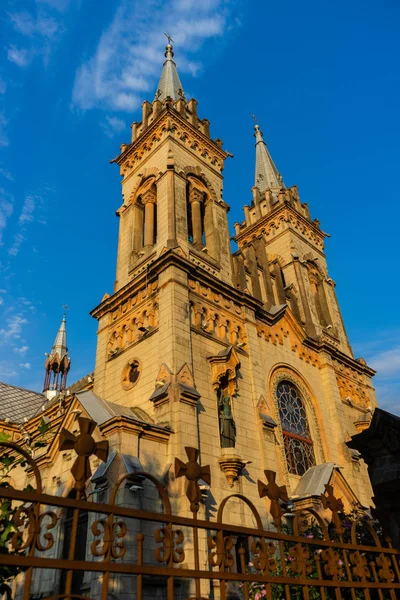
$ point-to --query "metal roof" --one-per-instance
(312, 483)
(170, 84)
(18, 404)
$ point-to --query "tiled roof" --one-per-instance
(17, 403)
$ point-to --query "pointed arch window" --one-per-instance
(299, 447)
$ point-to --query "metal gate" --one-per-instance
(186, 557)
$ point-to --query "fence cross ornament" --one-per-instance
(193, 473)
(85, 446)
(274, 492)
(335, 505)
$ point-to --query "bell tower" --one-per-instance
(173, 222)
(172, 185)
(281, 256)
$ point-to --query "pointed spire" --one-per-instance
(60, 343)
(169, 84)
(267, 175)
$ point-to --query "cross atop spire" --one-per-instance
(267, 175)
(169, 84)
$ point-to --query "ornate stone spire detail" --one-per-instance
(169, 84)
(58, 362)
(266, 175)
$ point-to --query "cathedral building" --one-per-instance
(242, 354)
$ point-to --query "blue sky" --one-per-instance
(323, 80)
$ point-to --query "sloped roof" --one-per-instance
(18, 403)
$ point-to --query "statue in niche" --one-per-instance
(227, 426)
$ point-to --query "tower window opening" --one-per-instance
(299, 447)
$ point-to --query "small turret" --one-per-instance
(57, 364)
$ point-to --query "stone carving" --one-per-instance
(227, 426)
(132, 324)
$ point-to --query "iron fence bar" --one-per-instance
(135, 569)
(95, 507)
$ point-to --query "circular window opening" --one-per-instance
(130, 374)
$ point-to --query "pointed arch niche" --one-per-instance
(200, 214)
(299, 426)
(144, 203)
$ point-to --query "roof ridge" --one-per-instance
(17, 387)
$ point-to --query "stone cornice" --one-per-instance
(146, 430)
(253, 230)
(170, 120)
(172, 258)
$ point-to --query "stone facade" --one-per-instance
(196, 340)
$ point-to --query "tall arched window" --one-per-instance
(299, 448)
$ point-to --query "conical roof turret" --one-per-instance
(169, 84)
(266, 175)
(60, 343)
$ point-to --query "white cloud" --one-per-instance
(386, 362)
(19, 56)
(129, 54)
(5, 173)
(28, 209)
(25, 365)
(7, 370)
(19, 238)
(3, 134)
(14, 328)
(112, 126)
(60, 5)
(42, 26)
(26, 216)
(6, 209)
(21, 350)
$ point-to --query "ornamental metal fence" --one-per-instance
(105, 550)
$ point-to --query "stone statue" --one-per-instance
(227, 425)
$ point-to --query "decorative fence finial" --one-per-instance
(84, 445)
(274, 492)
(193, 472)
(335, 505)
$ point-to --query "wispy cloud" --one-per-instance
(128, 57)
(19, 56)
(13, 328)
(21, 350)
(26, 216)
(26, 365)
(41, 26)
(39, 30)
(112, 125)
(7, 370)
(6, 209)
(382, 353)
(3, 133)
(5, 173)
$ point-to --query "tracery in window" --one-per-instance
(299, 448)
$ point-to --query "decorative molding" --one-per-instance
(352, 385)
(226, 365)
(231, 466)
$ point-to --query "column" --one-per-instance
(149, 200)
(195, 199)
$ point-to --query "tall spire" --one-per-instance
(266, 175)
(169, 84)
(58, 362)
